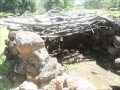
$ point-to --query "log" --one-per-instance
(61, 24)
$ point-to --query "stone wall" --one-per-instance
(30, 67)
(28, 59)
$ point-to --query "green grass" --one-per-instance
(115, 13)
(4, 15)
(3, 37)
(100, 11)
(3, 62)
(2, 65)
(4, 87)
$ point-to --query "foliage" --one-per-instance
(2, 65)
(118, 4)
(17, 6)
(102, 4)
(91, 4)
(106, 4)
(20, 6)
(4, 15)
(4, 86)
(50, 4)
(97, 4)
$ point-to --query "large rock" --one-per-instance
(60, 81)
(83, 84)
(17, 79)
(66, 82)
(51, 85)
(40, 56)
(37, 60)
(33, 78)
(114, 51)
(51, 70)
(33, 62)
(20, 67)
(117, 63)
(71, 83)
(28, 86)
(74, 83)
(33, 69)
(27, 42)
(56, 84)
(116, 41)
(12, 35)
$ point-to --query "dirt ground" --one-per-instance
(96, 67)
(89, 69)
(101, 78)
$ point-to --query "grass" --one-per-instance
(4, 87)
(102, 11)
(2, 65)
(4, 15)
(106, 60)
(3, 69)
(3, 37)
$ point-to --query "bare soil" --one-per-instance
(95, 69)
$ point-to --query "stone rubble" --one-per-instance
(28, 86)
(30, 67)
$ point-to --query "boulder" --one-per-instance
(12, 35)
(113, 51)
(27, 42)
(51, 70)
(74, 83)
(20, 67)
(40, 56)
(117, 63)
(28, 86)
(37, 60)
(51, 85)
(118, 72)
(83, 84)
(56, 84)
(60, 80)
(116, 41)
(33, 78)
(32, 62)
(11, 46)
(17, 79)
(33, 69)
(71, 83)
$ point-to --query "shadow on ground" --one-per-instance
(102, 58)
(115, 87)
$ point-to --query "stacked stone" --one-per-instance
(31, 68)
(116, 44)
(114, 50)
(28, 59)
